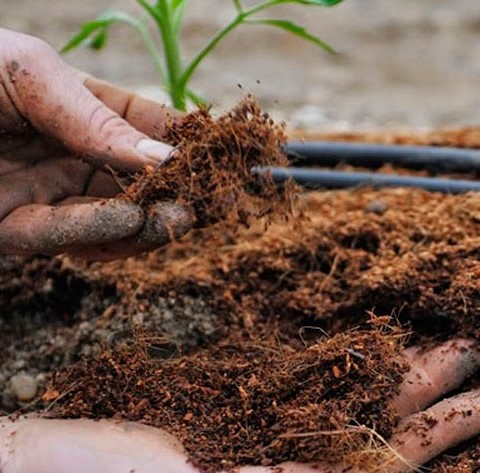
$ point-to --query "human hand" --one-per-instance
(59, 129)
(37, 445)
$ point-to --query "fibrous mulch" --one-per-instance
(259, 345)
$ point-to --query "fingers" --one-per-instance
(52, 181)
(59, 446)
(165, 222)
(145, 115)
(52, 98)
(423, 436)
(83, 226)
(47, 230)
(435, 373)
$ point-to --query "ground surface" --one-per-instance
(406, 253)
(232, 305)
(216, 300)
(400, 63)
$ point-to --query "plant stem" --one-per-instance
(153, 51)
(172, 55)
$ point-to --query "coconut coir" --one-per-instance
(251, 402)
(225, 300)
(214, 168)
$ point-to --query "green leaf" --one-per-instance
(99, 26)
(177, 3)
(294, 29)
(86, 30)
(196, 99)
(99, 40)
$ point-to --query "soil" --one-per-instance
(220, 297)
(214, 396)
(210, 171)
(199, 324)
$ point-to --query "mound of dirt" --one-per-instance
(214, 397)
(198, 325)
(417, 258)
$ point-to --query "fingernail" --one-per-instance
(157, 150)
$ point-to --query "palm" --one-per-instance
(39, 171)
(52, 201)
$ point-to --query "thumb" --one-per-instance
(47, 93)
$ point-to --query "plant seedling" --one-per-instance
(168, 18)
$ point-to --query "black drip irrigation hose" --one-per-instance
(325, 153)
(325, 179)
(320, 154)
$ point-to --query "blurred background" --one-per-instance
(400, 62)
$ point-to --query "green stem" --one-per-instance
(153, 51)
(239, 18)
(172, 55)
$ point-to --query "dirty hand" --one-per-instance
(51, 201)
(34, 445)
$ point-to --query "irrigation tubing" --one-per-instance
(326, 179)
(325, 153)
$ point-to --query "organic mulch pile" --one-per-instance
(252, 345)
(250, 402)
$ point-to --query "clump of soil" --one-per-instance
(45, 311)
(213, 166)
(311, 402)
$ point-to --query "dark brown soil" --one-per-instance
(200, 325)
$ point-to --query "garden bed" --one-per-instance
(199, 324)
